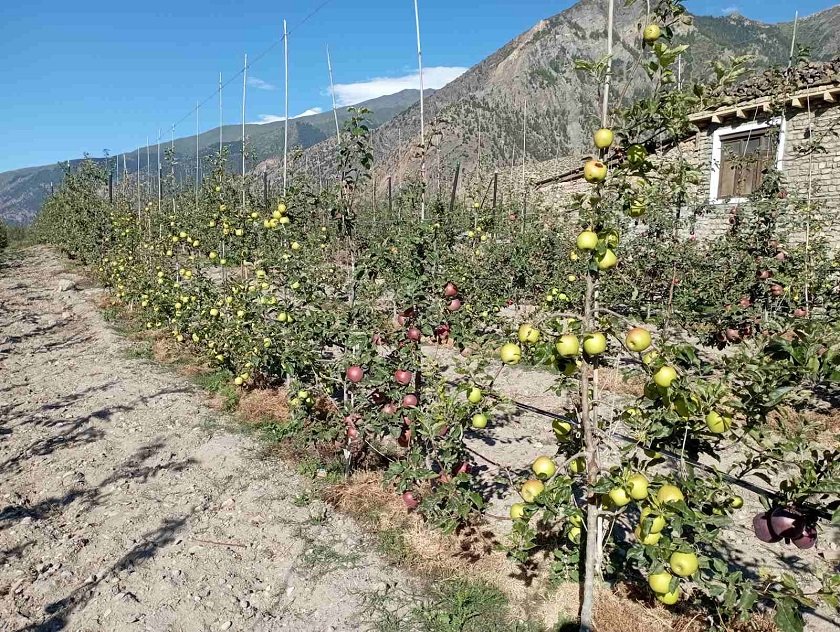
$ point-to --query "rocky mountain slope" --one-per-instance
(481, 112)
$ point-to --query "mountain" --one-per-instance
(22, 191)
(562, 102)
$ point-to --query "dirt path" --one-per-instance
(127, 504)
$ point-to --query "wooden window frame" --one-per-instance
(718, 138)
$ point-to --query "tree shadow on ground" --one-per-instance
(58, 612)
(70, 432)
(134, 469)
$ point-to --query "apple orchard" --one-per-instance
(347, 310)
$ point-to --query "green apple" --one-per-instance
(587, 240)
(660, 583)
(651, 33)
(619, 497)
(638, 485)
(669, 494)
(528, 333)
(531, 489)
(670, 598)
(475, 395)
(479, 421)
(606, 259)
(561, 428)
(665, 376)
(517, 511)
(510, 353)
(594, 171)
(649, 540)
(657, 521)
(578, 465)
(543, 467)
(637, 339)
(594, 343)
(574, 535)
(684, 564)
(717, 423)
(568, 346)
(603, 138)
(737, 502)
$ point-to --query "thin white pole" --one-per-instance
(608, 77)
(422, 113)
(160, 190)
(286, 121)
(793, 39)
(138, 184)
(221, 115)
(244, 92)
(332, 92)
(197, 159)
(524, 148)
(148, 168)
(172, 151)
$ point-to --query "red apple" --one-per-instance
(800, 312)
(410, 500)
(355, 374)
(732, 335)
(807, 539)
(763, 275)
(461, 468)
(378, 340)
(410, 401)
(413, 334)
(403, 377)
(745, 302)
(451, 290)
(442, 331)
(404, 438)
(777, 290)
(781, 255)
(761, 526)
(454, 305)
(785, 522)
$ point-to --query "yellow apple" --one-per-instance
(684, 564)
(603, 138)
(543, 467)
(531, 489)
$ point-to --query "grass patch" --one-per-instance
(140, 351)
(394, 545)
(321, 559)
(450, 606)
(220, 382)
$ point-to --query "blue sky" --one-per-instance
(93, 74)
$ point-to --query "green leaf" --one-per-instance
(788, 617)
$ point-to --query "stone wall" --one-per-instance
(820, 169)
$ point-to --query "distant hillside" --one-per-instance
(22, 191)
(562, 101)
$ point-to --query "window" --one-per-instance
(740, 156)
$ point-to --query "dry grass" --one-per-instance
(263, 404)
(167, 351)
(616, 382)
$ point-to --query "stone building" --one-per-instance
(786, 119)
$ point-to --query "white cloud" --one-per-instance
(731, 9)
(309, 112)
(274, 118)
(259, 84)
(434, 77)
